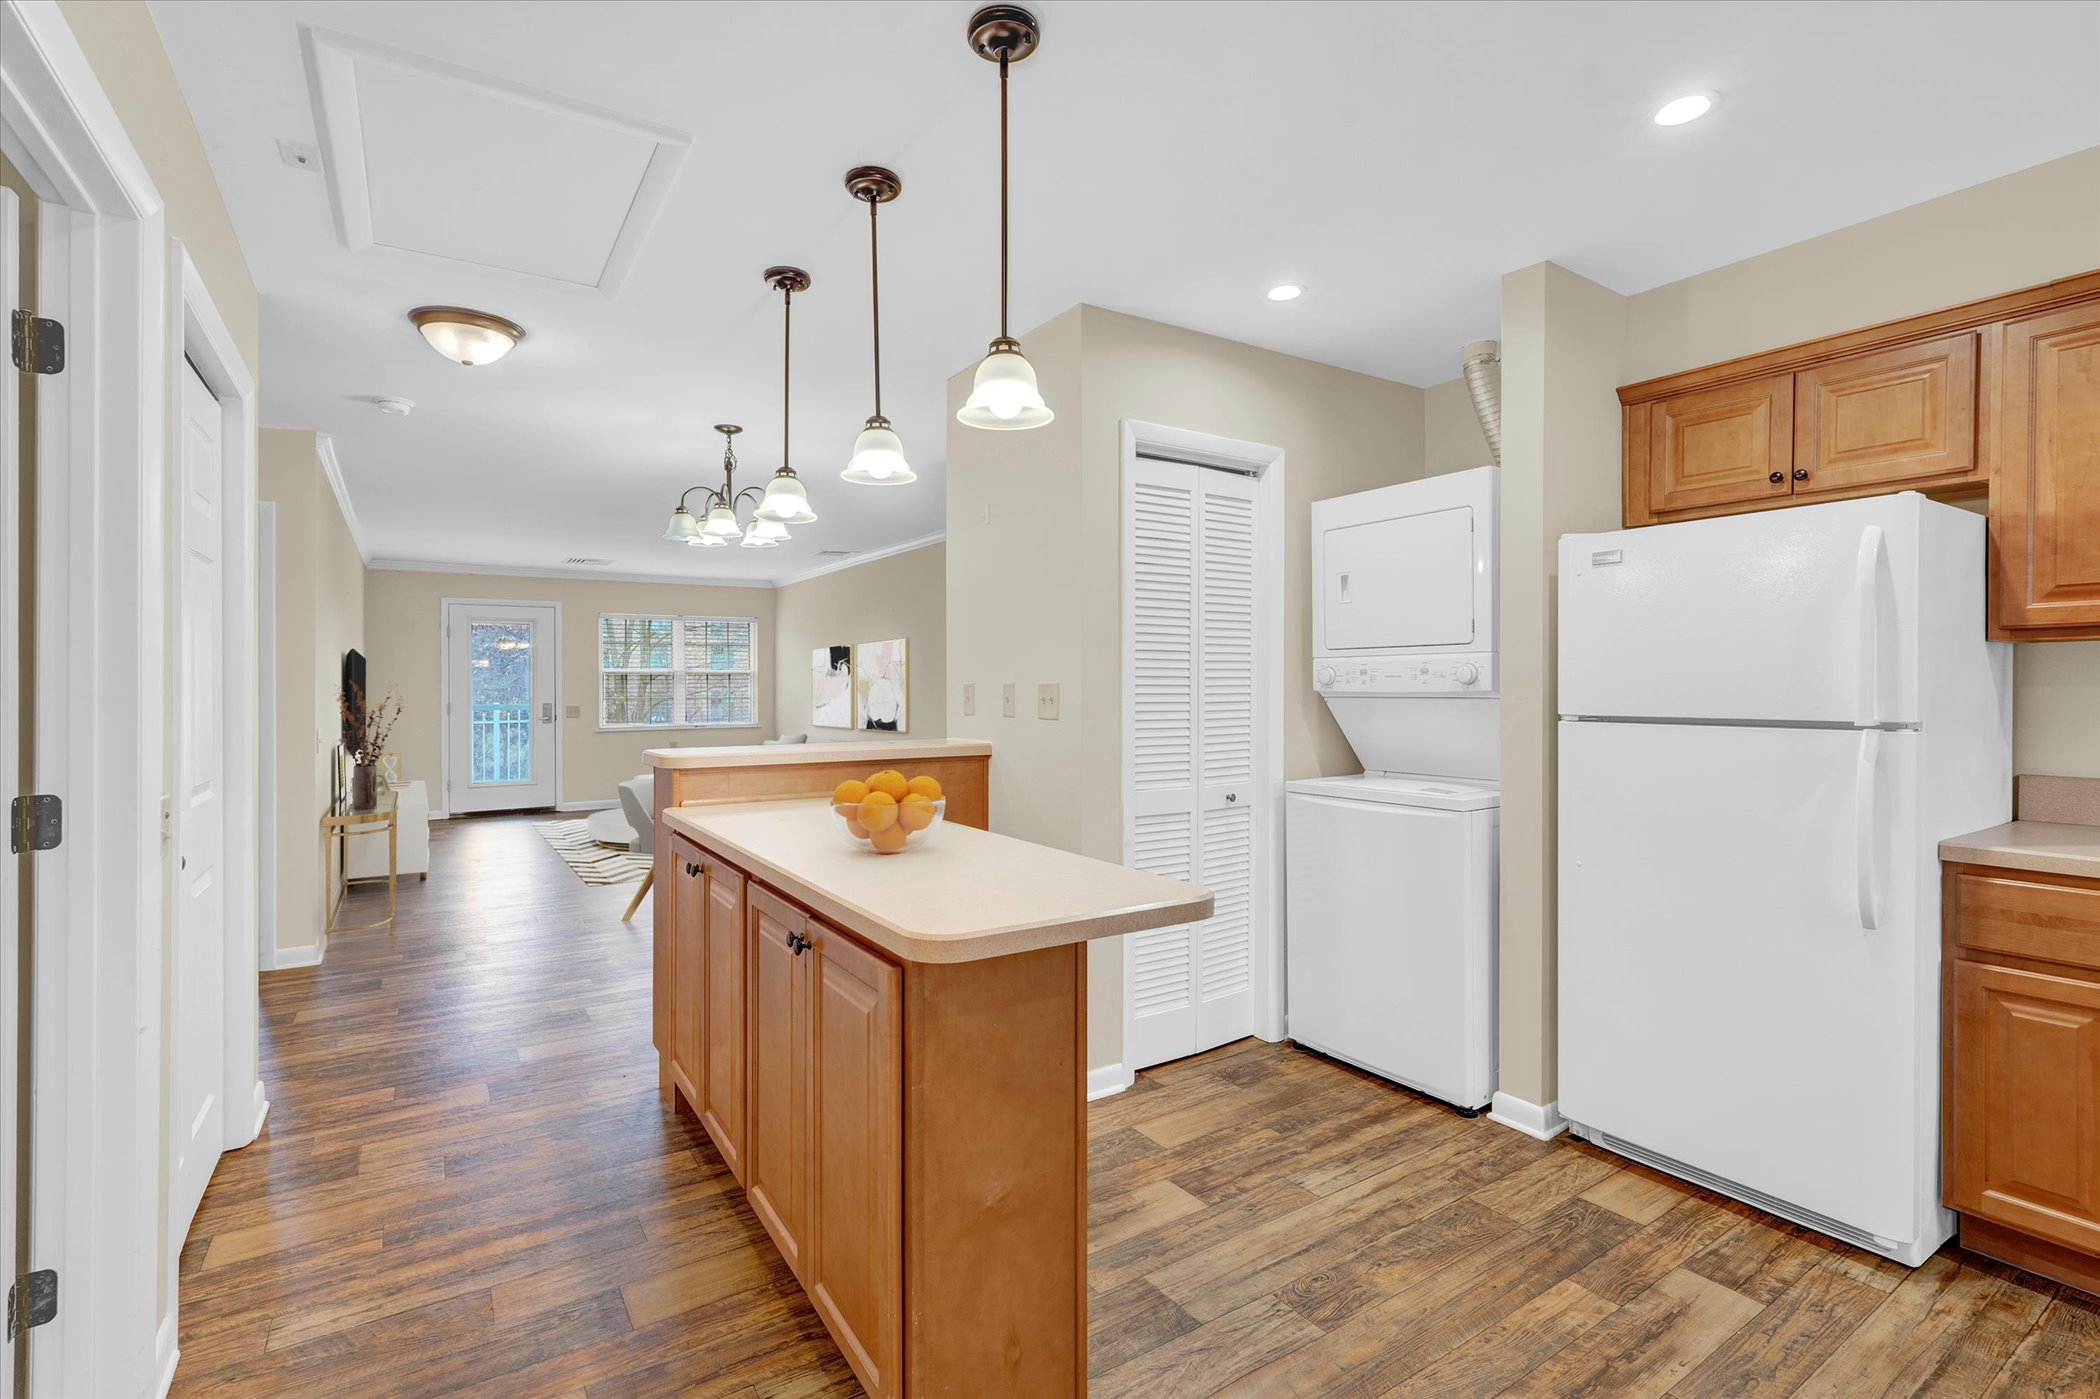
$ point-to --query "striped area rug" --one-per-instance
(593, 863)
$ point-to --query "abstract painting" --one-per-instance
(881, 685)
(831, 687)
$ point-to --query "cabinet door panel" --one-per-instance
(722, 1064)
(856, 1218)
(2046, 473)
(776, 1161)
(1898, 418)
(688, 910)
(2026, 1121)
(1721, 446)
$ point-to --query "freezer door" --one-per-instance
(1390, 940)
(1746, 979)
(1806, 615)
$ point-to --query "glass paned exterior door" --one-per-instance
(501, 705)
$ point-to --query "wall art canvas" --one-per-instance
(831, 687)
(881, 686)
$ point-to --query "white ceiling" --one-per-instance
(1172, 161)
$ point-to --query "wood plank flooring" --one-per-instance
(467, 1186)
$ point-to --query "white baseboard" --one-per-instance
(165, 1354)
(262, 1112)
(587, 806)
(1532, 1120)
(285, 958)
(1107, 1081)
(440, 816)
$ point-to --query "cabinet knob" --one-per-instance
(1777, 477)
(798, 942)
(1800, 473)
(692, 870)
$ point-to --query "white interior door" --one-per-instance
(1192, 807)
(198, 1120)
(500, 699)
(13, 1044)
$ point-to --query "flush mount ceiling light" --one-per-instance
(1004, 396)
(1289, 291)
(878, 456)
(1680, 110)
(466, 337)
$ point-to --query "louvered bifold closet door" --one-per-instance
(1189, 638)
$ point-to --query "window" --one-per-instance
(675, 672)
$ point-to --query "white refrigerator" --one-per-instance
(1768, 723)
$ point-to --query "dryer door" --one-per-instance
(1407, 580)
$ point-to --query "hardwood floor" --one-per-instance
(467, 1186)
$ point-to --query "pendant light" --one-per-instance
(1004, 396)
(878, 457)
(720, 523)
(785, 501)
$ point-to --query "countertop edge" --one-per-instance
(799, 754)
(2037, 847)
(908, 946)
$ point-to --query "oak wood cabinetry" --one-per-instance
(2022, 1067)
(777, 1169)
(722, 1069)
(1999, 397)
(688, 908)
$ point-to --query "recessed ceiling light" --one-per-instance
(1680, 110)
(466, 337)
(395, 407)
(1289, 291)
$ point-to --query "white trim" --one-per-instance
(308, 956)
(166, 1354)
(1269, 466)
(1544, 1123)
(1107, 1081)
(324, 446)
(101, 437)
(445, 605)
(888, 551)
(266, 811)
(595, 575)
(582, 806)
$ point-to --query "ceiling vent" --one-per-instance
(429, 158)
(835, 553)
(588, 563)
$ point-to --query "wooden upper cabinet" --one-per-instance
(1720, 447)
(722, 1065)
(2045, 483)
(1896, 419)
(855, 1245)
(776, 1141)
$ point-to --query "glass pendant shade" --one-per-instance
(721, 524)
(1004, 396)
(683, 528)
(764, 534)
(786, 500)
(878, 458)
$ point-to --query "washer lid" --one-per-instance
(1437, 793)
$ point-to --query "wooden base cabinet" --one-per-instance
(2022, 1068)
(777, 1005)
(722, 1069)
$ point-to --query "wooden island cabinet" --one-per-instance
(889, 1052)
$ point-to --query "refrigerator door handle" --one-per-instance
(1866, 820)
(1867, 613)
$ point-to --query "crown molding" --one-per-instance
(598, 575)
(324, 447)
(840, 565)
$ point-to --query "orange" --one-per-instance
(878, 811)
(915, 812)
(890, 781)
(890, 839)
(851, 792)
(925, 787)
(853, 826)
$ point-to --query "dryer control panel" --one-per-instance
(1457, 674)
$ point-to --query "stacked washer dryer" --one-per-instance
(1391, 874)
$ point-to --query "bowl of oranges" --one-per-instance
(889, 812)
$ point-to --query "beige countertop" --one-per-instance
(2048, 847)
(962, 895)
(878, 754)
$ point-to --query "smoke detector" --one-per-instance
(298, 155)
(395, 407)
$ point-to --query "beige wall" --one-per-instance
(1035, 588)
(403, 628)
(902, 595)
(320, 598)
(1451, 435)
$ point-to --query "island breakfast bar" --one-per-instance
(889, 1051)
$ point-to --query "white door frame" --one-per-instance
(266, 734)
(197, 332)
(101, 677)
(1266, 464)
(445, 605)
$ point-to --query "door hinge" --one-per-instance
(35, 823)
(32, 1301)
(36, 343)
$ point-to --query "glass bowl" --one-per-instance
(915, 822)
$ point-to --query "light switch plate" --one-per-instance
(575, 711)
(1006, 699)
(1046, 701)
(969, 698)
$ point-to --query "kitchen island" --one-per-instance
(889, 1051)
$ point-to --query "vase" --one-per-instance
(364, 787)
